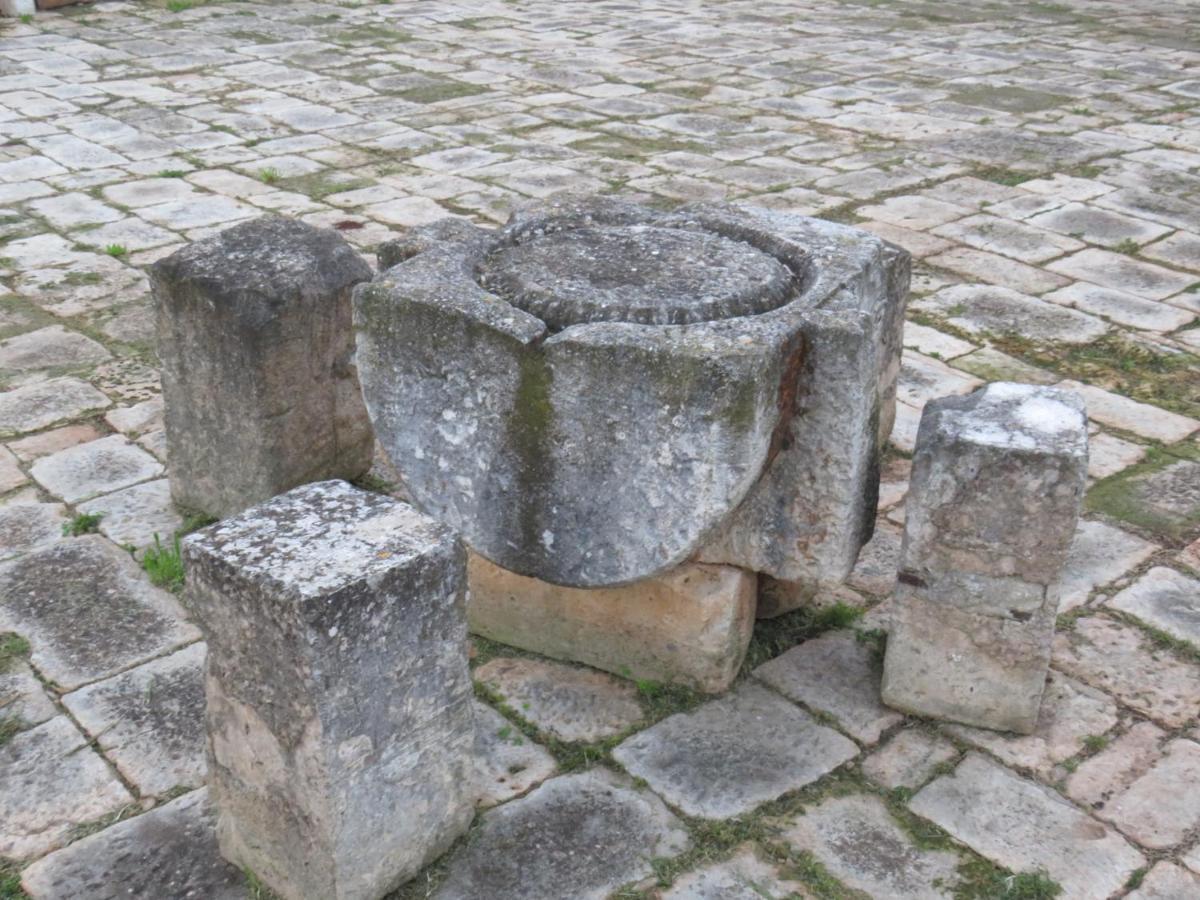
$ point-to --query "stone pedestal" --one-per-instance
(997, 481)
(340, 722)
(255, 339)
(690, 626)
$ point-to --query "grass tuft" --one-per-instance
(164, 565)
(116, 250)
(84, 523)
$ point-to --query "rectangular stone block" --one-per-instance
(258, 376)
(340, 722)
(690, 626)
(997, 481)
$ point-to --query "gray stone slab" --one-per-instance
(45, 403)
(29, 526)
(1167, 881)
(508, 763)
(1167, 600)
(836, 674)
(150, 720)
(52, 347)
(22, 697)
(1025, 826)
(134, 515)
(1100, 553)
(51, 781)
(1101, 777)
(97, 467)
(88, 611)
(569, 702)
(860, 844)
(341, 733)
(988, 309)
(731, 755)
(585, 834)
(1159, 809)
(908, 759)
(744, 876)
(169, 853)
(259, 382)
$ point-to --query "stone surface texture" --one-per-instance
(258, 375)
(620, 433)
(996, 489)
(688, 626)
(337, 689)
(976, 136)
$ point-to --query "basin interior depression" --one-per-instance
(598, 391)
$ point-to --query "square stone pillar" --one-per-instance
(258, 375)
(997, 481)
(340, 724)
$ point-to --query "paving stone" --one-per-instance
(923, 379)
(150, 720)
(1111, 771)
(1159, 809)
(1008, 238)
(1180, 249)
(29, 526)
(30, 448)
(1108, 455)
(836, 674)
(135, 515)
(730, 755)
(990, 364)
(1190, 556)
(932, 342)
(1098, 226)
(11, 475)
(170, 851)
(1164, 498)
(1121, 273)
(88, 611)
(1167, 881)
(982, 309)
(860, 844)
(571, 703)
(1122, 308)
(878, 562)
(22, 697)
(1070, 713)
(72, 210)
(914, 212)
(1119, 659)
(137, 419)
(51, 781)
(978, 265)
(741, 877)
(1191, 859)
(1099, 554)
(97, 467)
(43, 403)
(908, 759)
(52, 347)
(592, 831)
(1025, 826)
(509, 763)
(1166, 600)
(904, 432)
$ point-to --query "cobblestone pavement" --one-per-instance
(1040, 160)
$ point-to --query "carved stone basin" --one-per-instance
(599, 391)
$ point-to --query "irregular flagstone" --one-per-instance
(1122, 273)
(1165, 599)
(1108, 455)
(29, 526)
(588, 833)
(730, 755)
(571, 703)
(135, 515)
(908, 759)
(51, 781)
(836, 674)
(88, 611)
(1098, 226)
(1099, 554)
(30, 448)
(1119, 659)
(1025, 826)
(1101, 777)
(1122, 308)
(508, 763)
(689, 626)
(22, 697)
(984, 309)
(923, 378)
(170, 851)
(1070, 712)
(53, 347)
(97, 467)
(1159, 809)
(11, 475)
(990, 364)
(1008, 238)
(44, 403)
(859, 842)
(741, 877)
(1167, 881)
(150, 720)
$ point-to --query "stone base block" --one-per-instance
(690, 626)
(980, 670)
(340, 713)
